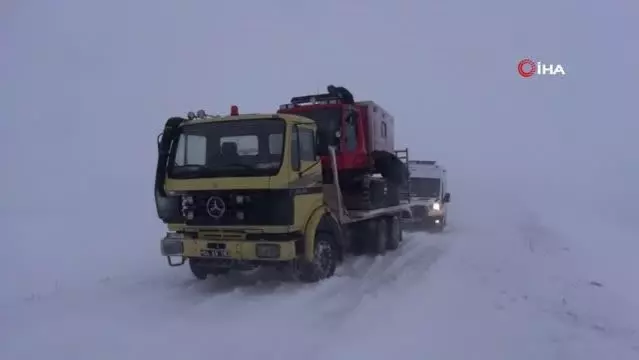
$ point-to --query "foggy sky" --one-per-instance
(87, 86)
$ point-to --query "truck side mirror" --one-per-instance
(447, 197)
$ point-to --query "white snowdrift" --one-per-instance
(497, 285)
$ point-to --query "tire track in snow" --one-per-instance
(368, 277)
(169, 300)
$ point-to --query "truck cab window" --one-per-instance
(246, 144)
(295, 153)
(275, 143)
(307, 144)
(219, 149)
(191, 150)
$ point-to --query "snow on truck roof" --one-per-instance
(425, 169)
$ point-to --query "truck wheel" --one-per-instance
(379, 236)
(394, 233)
(199, 271)
(324, 260)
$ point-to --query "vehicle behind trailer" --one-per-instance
(427, 183)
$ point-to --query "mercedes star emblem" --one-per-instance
(215, 207)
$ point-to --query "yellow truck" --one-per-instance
(242, 191)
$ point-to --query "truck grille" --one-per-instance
(248, 207)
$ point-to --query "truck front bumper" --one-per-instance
(286, 248)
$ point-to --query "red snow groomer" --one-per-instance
(362, 134)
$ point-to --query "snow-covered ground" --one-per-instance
(505, 281)
(539, 261)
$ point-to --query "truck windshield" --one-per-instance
(228, 148)
(328, 120)
(425, 187)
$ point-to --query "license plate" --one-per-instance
(214, 253)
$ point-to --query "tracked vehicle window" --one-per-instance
(328, 121)
(351, 136)
(228, 149)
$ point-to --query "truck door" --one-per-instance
(307, 170)
(303, 145)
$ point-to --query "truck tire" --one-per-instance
(324, 260)
(200, 272)
(379, 237)
(394, 233)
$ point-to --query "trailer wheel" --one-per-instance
(394, 233)
(379, 234)
(324, 260)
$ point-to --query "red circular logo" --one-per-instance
(527, 68)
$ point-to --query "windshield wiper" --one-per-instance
(191, 171)
(190, 168)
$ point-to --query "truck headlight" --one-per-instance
(187, 207)
(436, 206)
(187, 201)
